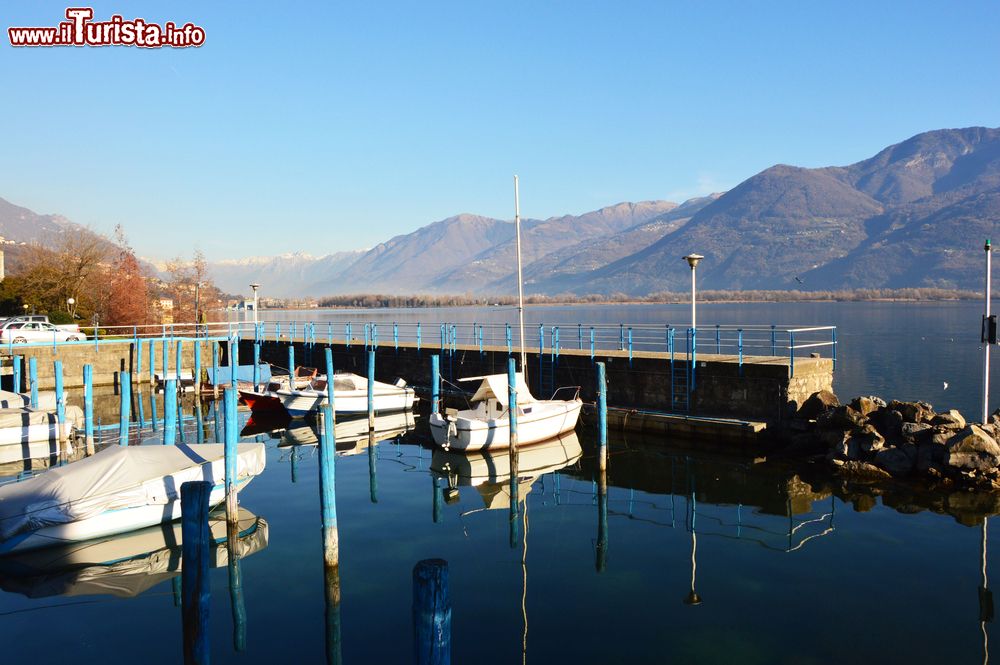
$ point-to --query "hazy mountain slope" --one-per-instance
(285, 276)
(543, 238)
(560, 270)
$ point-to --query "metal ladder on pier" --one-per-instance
(680, 375)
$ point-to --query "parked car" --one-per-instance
(20, 332)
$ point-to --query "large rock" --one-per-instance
(867, 405)
(929, 456)
(889, 423)
(817, 404)
(972, 449)
(912, 412)
(915, 432)
(845, 417)
(862, 471)
(950, 419)
(895, 461)
(868, 439)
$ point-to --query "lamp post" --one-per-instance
(69, 305)
(25, 306)
(693, 260)
(255, 286)
(986, 338)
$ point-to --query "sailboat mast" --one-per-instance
(520, 281)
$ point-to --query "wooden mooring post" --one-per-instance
(435, 383)
(232, 436)
(602, 419)
(512, 448)
(195, 586)
(125, 407)
(88, 408)
(33, 380)
(169, 412)
(431, 613)
(601, 552)
(16, 384)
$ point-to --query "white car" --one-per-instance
(20, 332)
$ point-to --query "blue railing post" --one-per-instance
(329, 332)
(591, 343)
(630, 345)
(507, 336)
(418, 336)
(621, 336)
(791, 353)
(442, 339)
(774, 349)
(178, 362)
(367, 333)
(718, 339)
(374, 335)
(234, 359)
(555, 341)
(579, 336)
(277, 330)
(347, 334)
(138, 360)
(395, 335)
(165, 358)
(480, 340)
(256, 365)
(152, 361)
(834, 340)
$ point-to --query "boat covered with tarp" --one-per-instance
(119, 489)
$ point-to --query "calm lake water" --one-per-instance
(790, 565)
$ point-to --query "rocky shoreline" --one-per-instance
(870, 439)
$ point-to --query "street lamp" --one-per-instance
(693, 260)
(69, 305)
(25, 306)
(255, 286)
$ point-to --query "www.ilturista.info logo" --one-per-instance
(81, 30)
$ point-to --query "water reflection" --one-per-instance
(123, 566)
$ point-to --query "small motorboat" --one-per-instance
(486, 424)
(119, 489)
(31, 433)
(350, 393)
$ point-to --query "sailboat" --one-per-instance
(485, 424)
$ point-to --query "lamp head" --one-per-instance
(693, 260)
(254, 286)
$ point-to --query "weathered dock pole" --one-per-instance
(88, 408)
(512, 448)
(435, 383)
(33, 380)
(124, 411)
(236, 602)
(602, 419)
(215, 371)
(197, 369)
(331, 597)
(371, 390)
(601, 558)
(16, 374)
(169, 412)
(431, 613)
(291, 366)
(328, 511)
(195, 586)
(256, 364)
(57, 369)
(232, 436)
(372, 450)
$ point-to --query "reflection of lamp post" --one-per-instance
(255, 286)
(985, 597)
(692, 597)
(693, 260)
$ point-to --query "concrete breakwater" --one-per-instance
(871, 439)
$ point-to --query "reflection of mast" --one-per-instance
(524, 587)
(985, 597)
(693, 598)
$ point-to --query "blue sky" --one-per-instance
(327, 126)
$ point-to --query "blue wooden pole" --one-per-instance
(234, 359)
(215, 368)
(328, 357)
(395, 335)
(178, 362)
(431, 613)
(512, 448)
(197, 369)
(435, 383)
(125, 390)
(291, 366)
(152, 360)
(437, 501)
(371, 390)
(739, 343)
(16, 374)
(169, 412)
(602, 418)
(165, 353)
(372, 467)
(232, 436)
(200, 421)
(327, 487)
(152, 407)
(195, 586)
(57, 368)
(256, 365)
(33, 380)
(418, 336)
(88, 407)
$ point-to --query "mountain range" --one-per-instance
(913, 215)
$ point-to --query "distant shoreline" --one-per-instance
(707, 297)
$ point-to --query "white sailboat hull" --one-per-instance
(300, 403)
(546, 420)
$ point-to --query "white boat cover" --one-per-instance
(9, 400)
(495, 386)
(20, 417)
(118, 477)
